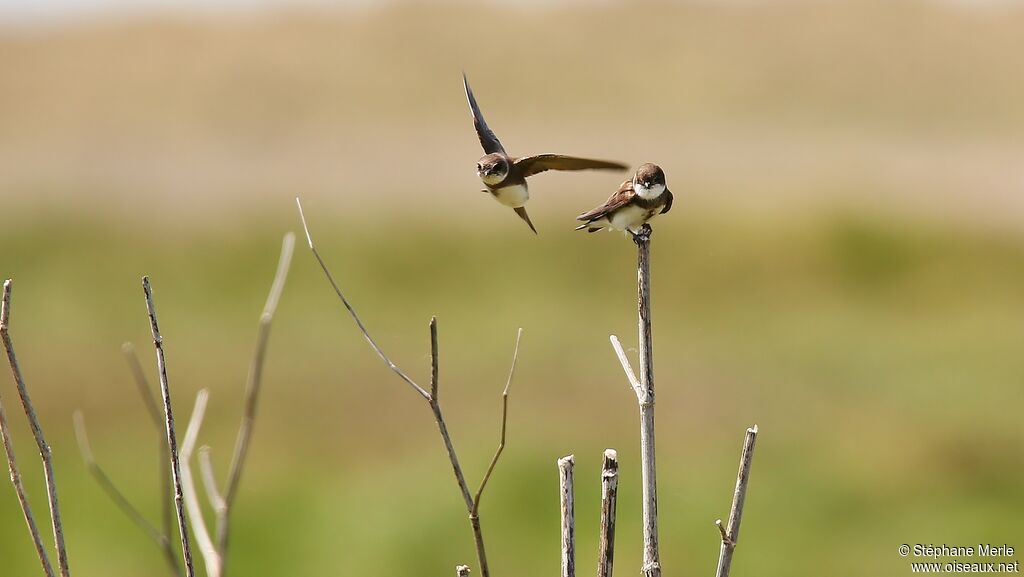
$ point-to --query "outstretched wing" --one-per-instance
(487, 138)
(530, 165)
(615, 201)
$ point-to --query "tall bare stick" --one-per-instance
(731, 533)
(565, 487)
(172, 442)
(433, 400)
(26, 509)
(644, 389)
(195, 512)
(37, 431)
(166, 494)
(609, 494)
(252, 392)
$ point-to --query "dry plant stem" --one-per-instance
(209, 481)
(609, 493)
(504, 421)
(252, 392)
(153, 408)
(652, 559)
(26, 510)
(565, 486)
(435, 407)
(626, 367)
(195, 512)
(172, 442)
(108, 486)
(433, 400)
(644, 389)
(352, 312)
(731, 533)
(37, 432)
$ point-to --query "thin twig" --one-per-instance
(195, 512)
(565, 486)
(731, 534)
(355, 316)
(433, 400)
(609, 493)
(153, 408)
(108, 486)
(142, 384)
(172, 442)
(26, 509)
(504, 420)
(252, 391)
(37, 431)
(626, 367)
(435, 406)
(453, 457)
(209, 480)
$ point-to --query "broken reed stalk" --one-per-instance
(644, 389)
(45, 454)
(565, 486)
(609, 494)
(433, 401)
(172, 442)
(731, 533)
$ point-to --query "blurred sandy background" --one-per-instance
(844, 267)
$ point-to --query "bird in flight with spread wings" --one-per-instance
(505, 177)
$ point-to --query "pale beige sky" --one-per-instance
(43, 12)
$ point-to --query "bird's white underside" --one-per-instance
(513, 196)
(630, 217)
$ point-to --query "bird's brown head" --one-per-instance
(492, 168)
(649, 180)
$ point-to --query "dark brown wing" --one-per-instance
(615, 201)
(668, 202)
(530, 165)
(487, 138)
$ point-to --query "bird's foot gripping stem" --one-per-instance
(643, 235)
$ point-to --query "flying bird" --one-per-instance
(637, 201)
(505, 177)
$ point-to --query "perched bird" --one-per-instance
(505, 177)
(637, 201)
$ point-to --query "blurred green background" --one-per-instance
(844, 267)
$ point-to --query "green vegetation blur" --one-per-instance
(844, 267)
